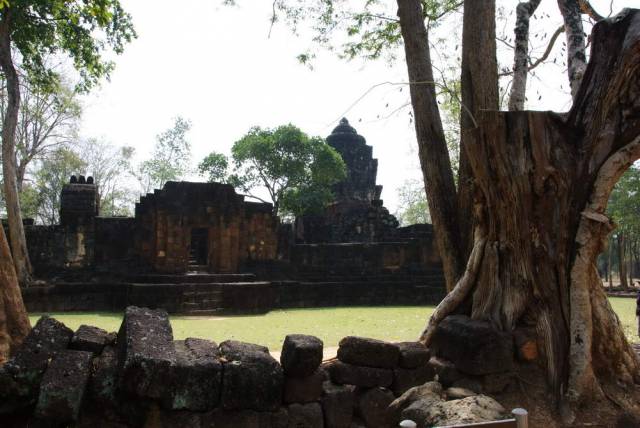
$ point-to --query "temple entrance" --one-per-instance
(199, 250)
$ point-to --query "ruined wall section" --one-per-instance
(235, 230)
(79, 206)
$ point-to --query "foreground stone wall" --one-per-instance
(143, 377)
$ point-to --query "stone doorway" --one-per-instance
(199, 250)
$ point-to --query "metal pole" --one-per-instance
(522, 417)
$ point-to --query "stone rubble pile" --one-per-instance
(144, 378)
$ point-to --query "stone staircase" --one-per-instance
(194, 293)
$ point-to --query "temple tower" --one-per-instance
(362, 168)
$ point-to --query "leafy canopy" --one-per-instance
(171, 156)
(368, 29)
(81, 29)
(297, 171)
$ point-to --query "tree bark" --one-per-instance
(14, 322)
(432, 146)
(479, 91)
(14, 215)
(576, 57)
(542, 182)
(524, 11)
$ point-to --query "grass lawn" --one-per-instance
(329, 324)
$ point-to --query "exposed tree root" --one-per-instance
(460, 291)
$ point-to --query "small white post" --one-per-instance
(408, 424)
(522, 417)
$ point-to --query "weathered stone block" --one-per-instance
(526, 345)
(368, 352)
(146, 352)
(403, 379)
(368, 377)
(305, 415)
(63, 386)
(220, 418)
(25, 369)
(413, 355)
(252, 379)
(446, 371)
(197, 375)
(235, 350)
(91, 339)
(301, 354)
(303, 389)
(474, 346)
(372, 407)
(337, 404)
(104, 381)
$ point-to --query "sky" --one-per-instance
(222, 69)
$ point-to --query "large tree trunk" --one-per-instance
(432, 146)
(14, 322)
(479, 91)
(16, 228)
(542, 184)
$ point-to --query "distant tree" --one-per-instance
(413, 206)
(624, 208)
(34, 29)
(295, 170)
(170, 160)
(51, 176)
(214, 167)
(47, 118)
(110, 167)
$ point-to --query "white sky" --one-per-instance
(215, 66)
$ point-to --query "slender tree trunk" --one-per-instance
(576, 56)
(630, 261)
(14, 322)
(432, 146)
(622, 262)
(543, 181)
(16, 228)
(479, 91)
(524, 11)
(610, 262)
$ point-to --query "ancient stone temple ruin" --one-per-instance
(357, 213)
(204, 226)
(200, 248)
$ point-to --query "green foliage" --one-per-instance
(413, 206)
(81, 29)
(53, 174)
(624, 202)
(170, 160)
(214, 167)
(297, 171)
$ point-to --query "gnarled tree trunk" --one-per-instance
(479, 91)
(542, 184)
(14, 323)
